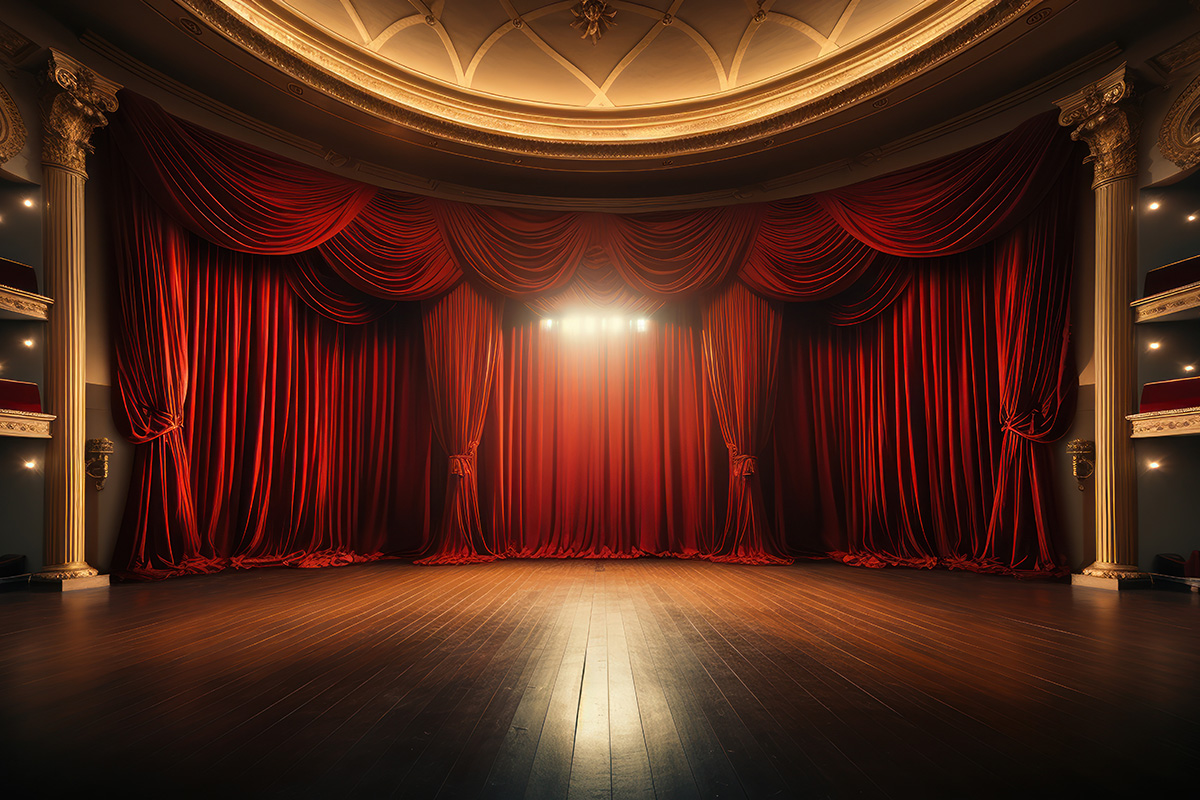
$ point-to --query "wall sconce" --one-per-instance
(1083, 459)
(98, 451)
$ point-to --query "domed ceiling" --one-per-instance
(586, 78)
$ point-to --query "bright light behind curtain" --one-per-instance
(598, 442)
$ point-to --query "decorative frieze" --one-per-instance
(25, 423)
(1173, 422)
(1179, 136)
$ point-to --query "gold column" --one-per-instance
(1105, 115)
(74, 102)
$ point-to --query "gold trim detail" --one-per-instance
(1178, 57)
(74, 103)
(1172, 422)
(12, 127)
(15, 46)
(857, 73)
(1113, 571)
(1165, 303)
(65, 572)
(1179, 136)
(24, 303)
(25, 424)
(1106, 116)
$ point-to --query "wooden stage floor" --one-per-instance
(624, 679)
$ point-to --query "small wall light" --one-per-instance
(98, 451)
(1188, 368)
(1191, 217)
(1154, 206)
(1083, 454)
(30, 464)
(28, 342)
(1155, 345)
(28, 203)
(1154, 465)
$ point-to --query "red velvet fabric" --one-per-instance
(918, 438)
(741, 349)
(267, 434)
(860, 253)
(598, 445)
(462, 346)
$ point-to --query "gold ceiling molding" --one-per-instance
(1179, 136)
(849, 75)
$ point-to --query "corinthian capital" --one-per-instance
(1106, 115)
(74, 102)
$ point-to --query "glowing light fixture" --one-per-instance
(28, 202)
(1191, 217)
(1188, 368)
(28, 342)
(1154, 465)
(1155, 345)
(30, 464)
(593, 324)
(1154, 206)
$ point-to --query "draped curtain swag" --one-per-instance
(359, 255)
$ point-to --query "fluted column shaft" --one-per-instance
(1116, 377)
(63, 254)
(74, 103)
(1106, 116)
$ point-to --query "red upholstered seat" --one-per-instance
(1172, 276)
(16, 275)
(1166, 395)
(20, 396)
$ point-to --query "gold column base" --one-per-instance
(1102, 575)
(68, 577)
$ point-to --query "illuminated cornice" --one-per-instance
(362, 80)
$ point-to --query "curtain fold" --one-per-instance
(462, 346)
(741, 351)
(230, 193)
(598, 446)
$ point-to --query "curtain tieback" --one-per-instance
(462, 464)
(744, 466)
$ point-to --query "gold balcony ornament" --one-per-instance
(593, 17)
(98, 451)
(1083, 459)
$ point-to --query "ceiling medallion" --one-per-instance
(593, 17)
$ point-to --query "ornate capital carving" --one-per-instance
(1106, 115)
(74, 103)
(1179, 136)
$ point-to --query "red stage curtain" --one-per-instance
(959, 201)
(741, 349)
(230, 193)
(887, 443)
(462, 346)
(853, 249)
(159, 536)
(597, 444)
(266, 433)
(1037, 381)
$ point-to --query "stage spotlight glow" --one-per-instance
(547, 324)
(642, 324)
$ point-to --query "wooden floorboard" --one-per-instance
(600, 679)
